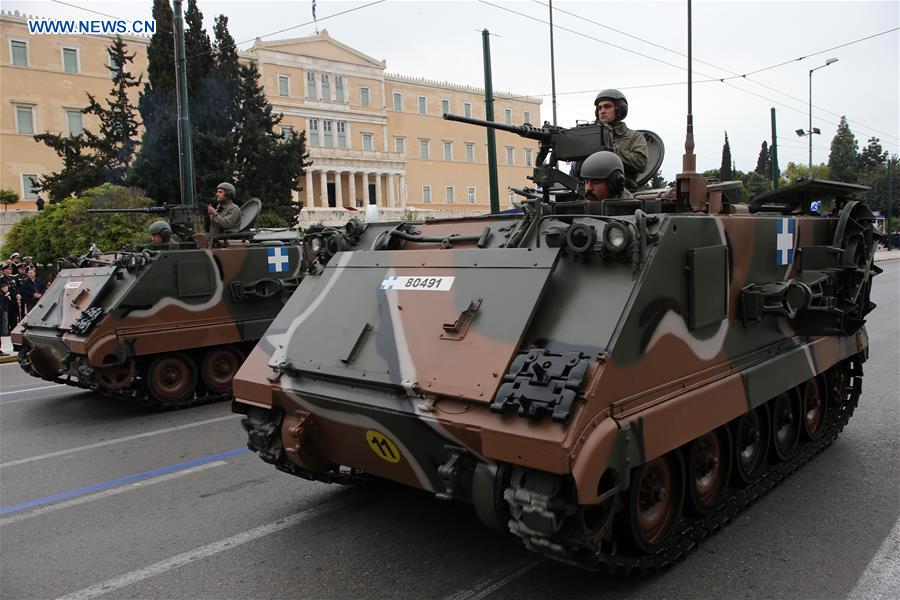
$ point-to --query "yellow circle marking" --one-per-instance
(382, 446)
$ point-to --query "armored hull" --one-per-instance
(611, 389)
(165, 326)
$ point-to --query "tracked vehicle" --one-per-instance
(166, 325)
(609, 382)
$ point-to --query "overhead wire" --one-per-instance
(86, 9)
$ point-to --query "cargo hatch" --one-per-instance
(442, 321)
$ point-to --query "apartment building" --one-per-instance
(373, 137)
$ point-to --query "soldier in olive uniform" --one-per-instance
(226, 217)
(611, 107)
(604, 177)
(160, 234)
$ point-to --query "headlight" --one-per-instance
(315, 245)
(616, 237)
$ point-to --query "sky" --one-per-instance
(636, 46)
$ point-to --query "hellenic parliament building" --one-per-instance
(373, 137)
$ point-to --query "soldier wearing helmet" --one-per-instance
(604, 177)
(611, 107)
(226, 217)
(160, 233)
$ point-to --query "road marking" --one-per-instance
(881, 579)
(129, 438)
(44, 387)
(212, 549)
(494, 582)
(117, 482)
(108, 493)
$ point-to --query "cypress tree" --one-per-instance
(198, 51)
(843, 162)
(764, 161)
(725, 170)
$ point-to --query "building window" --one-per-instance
(470, 153)
(284, 85)
(448, 194)
(398, 101)
(426, 194)
(445, 106)
(75, 122)
(470, 195)
(508, 116)
(19, 51)
(367, 141)
(448, 150)
(342, 134)
(326, 88)
(422, 105)
(24, 119)
(364, 96)
(29, 186)
(400, 145)
(287, 132)
(338, 88)
(70, 60)
(467, 109)
(327, 133)
(509, 155)
(313, 132)
(311, 86)
(527, 157)
(526, 117)
(423, 150)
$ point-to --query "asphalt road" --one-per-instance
(98, 498)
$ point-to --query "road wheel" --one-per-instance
(219, 367)
(171, 379)
(708, 468)
(751, 444)
(654, 502)
(815, 409)
(786, 424)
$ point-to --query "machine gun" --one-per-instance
(182, 218)
(557, 143)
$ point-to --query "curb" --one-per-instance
(8, 359)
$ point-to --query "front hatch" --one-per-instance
(72, 292)
(441, 321)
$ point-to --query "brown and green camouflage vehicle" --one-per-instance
(166, 325)
(609, 383)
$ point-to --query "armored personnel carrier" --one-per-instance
(167, 324)
(610, 384)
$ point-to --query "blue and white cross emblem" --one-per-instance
(784, 242)
(278, 260)
(389, 282)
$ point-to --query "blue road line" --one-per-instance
(98, 487)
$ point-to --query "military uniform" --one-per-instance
(227, 219)
(631, 147)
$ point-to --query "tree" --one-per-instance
(268, 164)
(7, 197)
(843, 162)
(81, 167)
(657, 181)
(726, 171)
(794, 172)
(66, 228)
(872, 156)
(197, 50)
(764, 161)
(756, 183)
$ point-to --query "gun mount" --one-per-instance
(182, 218)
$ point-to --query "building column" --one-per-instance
(365, 185)
(338, 189)
(402, 191)
(352, 188)
(392, 200)
(378, 201)
(323, 193)
(310, 199)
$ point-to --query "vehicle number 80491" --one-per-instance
(424, 282)
(441, 283)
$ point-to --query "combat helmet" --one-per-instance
(162, 228)
(618, 99)
(606, 166)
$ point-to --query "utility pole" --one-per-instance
(776, 174)
(185, 155)
(489, 115)
(890, 204)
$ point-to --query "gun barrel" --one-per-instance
(156, 210)
(527, 131)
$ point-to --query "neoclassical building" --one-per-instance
(373, 137)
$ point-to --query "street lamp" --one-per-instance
(813, 130)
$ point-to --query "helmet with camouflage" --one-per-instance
(162, 229)
(618, 99)
(605, 166)
(228, 189)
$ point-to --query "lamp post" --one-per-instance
(813, 130)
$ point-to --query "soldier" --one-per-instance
(604, 177)
(226, 217)
(160, 233)
(611, 107)
(12, 306)
(32, 289)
